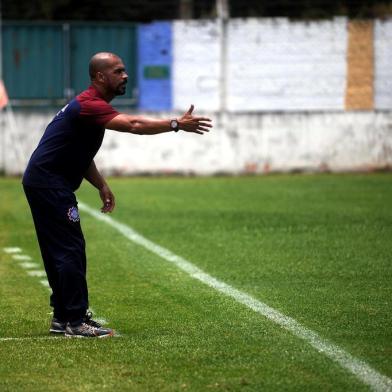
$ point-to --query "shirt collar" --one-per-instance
(94, 92)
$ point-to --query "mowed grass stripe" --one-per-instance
(359, 368)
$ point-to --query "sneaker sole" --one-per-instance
(57, 331)
(88, 337)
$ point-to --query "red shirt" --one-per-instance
(70, 142)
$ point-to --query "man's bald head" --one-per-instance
(108, 75)
(100, 62)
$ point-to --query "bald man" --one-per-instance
(64, 156)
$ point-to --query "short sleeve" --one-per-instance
(97, 111)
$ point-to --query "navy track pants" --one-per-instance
(60, 237)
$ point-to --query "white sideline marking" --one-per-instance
(116, 335)
(33, 338)
(101, 321)
(98, 320)
(28, 265)
(12, 250)
(38, 273)
(45, 283)
(22, 257)
(359, 368)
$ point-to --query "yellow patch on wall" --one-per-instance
(360, 66)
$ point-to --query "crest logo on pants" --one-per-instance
(73, 214)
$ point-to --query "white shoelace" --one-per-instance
(88, 328)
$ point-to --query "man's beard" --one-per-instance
(121, 90)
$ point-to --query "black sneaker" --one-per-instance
(57, 326)
(88, 319)
(85, 330)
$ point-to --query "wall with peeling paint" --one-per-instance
(196, 59)
(278, 64)
(272, 64)
(239, 143)
(383, 64)
(286, 85)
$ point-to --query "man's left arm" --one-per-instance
(94, 177)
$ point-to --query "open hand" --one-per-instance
(189, 123)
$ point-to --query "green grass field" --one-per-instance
(318, 248)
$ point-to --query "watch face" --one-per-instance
(174, 123)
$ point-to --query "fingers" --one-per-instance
(193, 124)
(105, 207)
(202, 126)
(199, 131)
(197, 127)
(190, 110)
(202, 119)
(205, 125)
(108, 205)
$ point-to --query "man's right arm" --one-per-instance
(141, 125)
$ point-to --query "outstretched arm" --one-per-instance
(93, 176)
(149, 126)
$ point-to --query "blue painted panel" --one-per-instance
(154, 67)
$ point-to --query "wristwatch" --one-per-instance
(174, 125)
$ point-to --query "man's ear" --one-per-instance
(101, 77)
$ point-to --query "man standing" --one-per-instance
(64, 156)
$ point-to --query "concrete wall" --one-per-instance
(272, 64)
(251, 142)
(276, 64)
(196, 59)
(383, 64)
(286, 84)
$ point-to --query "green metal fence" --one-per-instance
(47, 63)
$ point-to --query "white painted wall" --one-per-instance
(20, 132)
(272, 64)
(277, 64)
(196, 59)
(383, 64)
(252, 142)
(286, 86)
